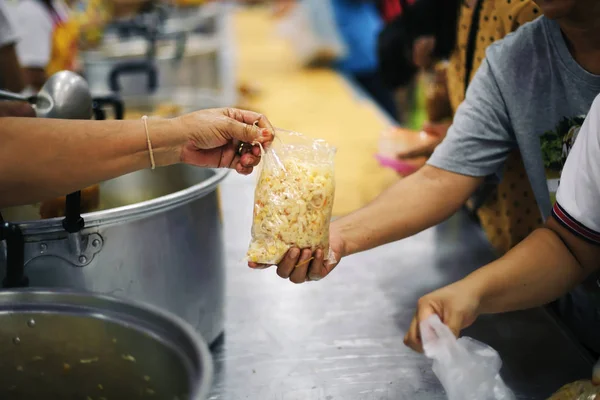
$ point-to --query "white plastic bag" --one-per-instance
(311, 30)
(467, 368)
(293, 199)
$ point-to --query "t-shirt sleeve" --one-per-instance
(577, 205)
(481, 137)
(34, 27)
(8, 34)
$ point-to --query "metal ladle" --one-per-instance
(65, 95)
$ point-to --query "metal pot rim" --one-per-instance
(132, 211)
(53, 299)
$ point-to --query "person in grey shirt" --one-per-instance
(532, 92)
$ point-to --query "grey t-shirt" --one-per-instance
(529, 93)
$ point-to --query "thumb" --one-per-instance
(248, 126)
(423, 313)
(247, 133)
(454, 321)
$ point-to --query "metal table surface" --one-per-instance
(341, 338)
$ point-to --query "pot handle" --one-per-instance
(110, 100)
(73, 221)
(15, 255)
(180, 38)
(133, 67)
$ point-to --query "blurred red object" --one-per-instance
(390, 9)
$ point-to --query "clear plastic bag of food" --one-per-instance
(467, 368)
(293, 199)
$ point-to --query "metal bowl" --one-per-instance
(62, 344)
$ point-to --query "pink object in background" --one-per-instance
(396, 141)
(404, 168)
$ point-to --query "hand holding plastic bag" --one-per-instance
(467, 368)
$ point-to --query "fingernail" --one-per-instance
(315, 278)
(266, 133)
(294, 253)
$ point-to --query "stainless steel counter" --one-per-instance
(341, 338)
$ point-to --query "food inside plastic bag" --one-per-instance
(579, 390)
(467, 368)
(293, 198)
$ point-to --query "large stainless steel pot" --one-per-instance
(70, 345)
(191, 53)
(157, 238)
(109, 69)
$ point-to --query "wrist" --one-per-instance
(344, 234)
(479, 292)
(167, 138)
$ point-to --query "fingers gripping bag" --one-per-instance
(293, 198)
(466, 368)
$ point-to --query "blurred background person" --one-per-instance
(424, 28)
(93, 16)
(51, 32)
(358, 24)
(11, 76)
(47, 39)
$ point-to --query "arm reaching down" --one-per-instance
(546, 265)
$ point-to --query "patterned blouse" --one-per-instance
(510, 212)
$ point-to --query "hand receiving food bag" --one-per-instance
(467, 368)
(293, 198)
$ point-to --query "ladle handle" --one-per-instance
(133, 67)
(6, 95)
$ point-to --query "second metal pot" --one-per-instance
(71, 345)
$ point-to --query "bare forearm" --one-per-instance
(537, 271)
(413, 204)
(64, 156)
